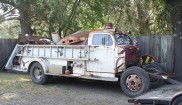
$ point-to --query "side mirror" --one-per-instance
(85, 42)
(135, 42)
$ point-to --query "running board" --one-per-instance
(87, 77)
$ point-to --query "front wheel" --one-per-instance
(134, 81)
(37, 74)
(177, 101)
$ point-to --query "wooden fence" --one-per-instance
(160, 47)
(6, 46)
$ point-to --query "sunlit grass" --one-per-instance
(20, 83)
(24, 80)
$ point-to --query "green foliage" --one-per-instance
(67, 17)
(10, 29)
(141, 16)
(145, 17)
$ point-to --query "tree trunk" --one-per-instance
(142, 20)
(24, 7)
(139, 15)
(176, 16)
(25, 20)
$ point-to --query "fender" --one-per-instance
(44, 62)
(174, 97)
(120, 65)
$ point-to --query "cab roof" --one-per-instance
(81, 35)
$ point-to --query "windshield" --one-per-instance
(122, 39)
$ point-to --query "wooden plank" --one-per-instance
(160, 47)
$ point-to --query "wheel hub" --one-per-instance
(38, 73)
(133, 82)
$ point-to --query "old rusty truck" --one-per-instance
(105, 54)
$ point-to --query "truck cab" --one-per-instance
(111, 48)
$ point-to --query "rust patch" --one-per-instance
(75, 38)
(133, 82)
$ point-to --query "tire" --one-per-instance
(177, 101)
(134, 81)
(37, 74)
(154, 68)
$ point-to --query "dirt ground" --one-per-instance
(18, 89)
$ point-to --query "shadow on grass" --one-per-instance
(77, 83)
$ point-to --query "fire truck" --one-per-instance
(105, 54)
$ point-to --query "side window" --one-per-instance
(102, 39)
(97, 39)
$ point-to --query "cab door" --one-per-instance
(102, 51)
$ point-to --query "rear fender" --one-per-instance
(45, 64)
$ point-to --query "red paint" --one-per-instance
(108, 26)
(130, 54)
(135, 102)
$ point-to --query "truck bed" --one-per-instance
(161, 95)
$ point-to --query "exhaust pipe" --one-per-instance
(56, 38)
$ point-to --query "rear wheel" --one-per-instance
(37, 74)
(134, 81)
(154, 68)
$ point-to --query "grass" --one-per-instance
(20, 83)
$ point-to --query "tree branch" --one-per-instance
(10, 2)
(73, 11)
(8, 12)
(12, 18)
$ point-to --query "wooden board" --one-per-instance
(161, 47)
